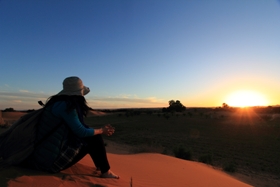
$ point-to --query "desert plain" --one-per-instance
(197, 147)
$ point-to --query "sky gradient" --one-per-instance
(138, 54)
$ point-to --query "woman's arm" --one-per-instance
(72, 120)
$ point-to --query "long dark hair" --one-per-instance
(73, 102)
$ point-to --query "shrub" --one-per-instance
(9, 110)
(266, 117)
(206, 158)
(183, 153)
(165, 151)
(230, 167)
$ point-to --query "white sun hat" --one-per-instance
(74, 86)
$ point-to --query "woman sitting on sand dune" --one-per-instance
(66, 138)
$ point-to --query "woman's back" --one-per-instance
(48, 150)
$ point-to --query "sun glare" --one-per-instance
(246, 99)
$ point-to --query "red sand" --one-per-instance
(146, 170)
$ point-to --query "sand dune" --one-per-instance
(145, 170)
(140, 170)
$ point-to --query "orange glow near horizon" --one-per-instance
(246, 98)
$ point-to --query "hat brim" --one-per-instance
(81, 92)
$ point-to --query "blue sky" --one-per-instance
(139, 53)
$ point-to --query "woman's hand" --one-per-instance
(108, 130)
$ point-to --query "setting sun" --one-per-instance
(246, 98)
